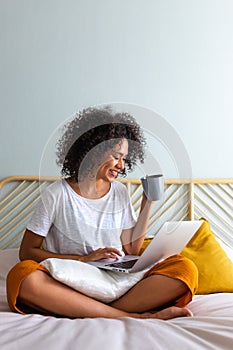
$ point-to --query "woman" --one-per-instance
(88, 216)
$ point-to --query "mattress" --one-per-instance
(211, 327)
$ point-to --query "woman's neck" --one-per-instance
(90, 189)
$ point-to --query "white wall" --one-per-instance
(173, 57)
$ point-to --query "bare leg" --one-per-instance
(42, 292)
(151, 293)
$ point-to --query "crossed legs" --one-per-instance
(44, 294)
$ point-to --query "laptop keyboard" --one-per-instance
(124, 264)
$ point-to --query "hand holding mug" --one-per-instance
(153, 186)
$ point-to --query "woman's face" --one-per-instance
(114, 162)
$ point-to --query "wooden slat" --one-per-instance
(184, 199)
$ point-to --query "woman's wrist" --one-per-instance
(82, 258)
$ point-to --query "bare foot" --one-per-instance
(166, 314)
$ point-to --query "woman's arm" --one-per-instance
(30, 249)
(132, 239)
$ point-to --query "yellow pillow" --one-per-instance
(214, 266)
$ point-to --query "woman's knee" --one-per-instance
(30, 286)
(190, 269)
(177, 267)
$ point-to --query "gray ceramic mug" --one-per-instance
(153, 186)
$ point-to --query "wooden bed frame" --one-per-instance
(209, 328)
(183, 200)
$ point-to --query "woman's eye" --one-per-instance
(118, 158)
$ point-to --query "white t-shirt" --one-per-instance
(72, 224)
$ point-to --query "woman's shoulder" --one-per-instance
(120, 187)
(53, 189)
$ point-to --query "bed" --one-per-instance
(211, 327)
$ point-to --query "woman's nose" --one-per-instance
(121, 164)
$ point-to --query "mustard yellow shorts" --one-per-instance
(176, 267)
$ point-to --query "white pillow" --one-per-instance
(8, 258)
(102, 285)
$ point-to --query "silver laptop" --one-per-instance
(170, 239)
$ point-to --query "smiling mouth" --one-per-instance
(114, 172)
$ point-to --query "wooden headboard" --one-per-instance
(183, 200)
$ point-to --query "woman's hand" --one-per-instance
(102, 253)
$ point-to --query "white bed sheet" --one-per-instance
(38, 332)
(210, 328)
